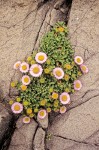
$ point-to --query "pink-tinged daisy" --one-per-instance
(41, 57)
(24, 67)
(78, 60)
(26, 120)
(42, 114)
(63, 109)
(36, 70)
(77, 85)
(26, 80)
(17, 107)
(17, 65)
(64, 98)
(84, 68)
(58, 73)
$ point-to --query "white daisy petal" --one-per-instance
(36, 70)
(78, 60)
(24, 67)
(58, 73)
(41, 57)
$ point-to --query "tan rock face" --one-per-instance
(38, 143)
(20, 23)
(23, 136)
(78, 128)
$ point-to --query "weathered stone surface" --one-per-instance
(5, 122)
(22, 24)
(23, 136)
(57, 143)
(81, 123)
(43, 122)
(38, 143)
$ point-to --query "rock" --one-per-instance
(43, 122)
(22, 24)
(23, 136)
(6, 123)
(57, 143)
(38, 143)
(81, 122)
(84, 32)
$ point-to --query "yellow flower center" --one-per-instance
(33, 62)
(27, 119)
(78, 60)
(46, 70)
(25, 103)
(26, 79)
(60, 29)
(41, 57)
(36, 70)
(77, 85)
(48, 109)
(29, 111)
(83, 68)
(43, 102)
(16, 107)
(29, 58)
(23, 87)
(18, 99)
(64, 98)
(58, 73)
(36, 110)
(13, 84)
(24, 67)
(55, 104)
(66, 77)
(31, 115)
(67, 66)
(54, 95)
(41, 113)
(62, 108)
(11, 102)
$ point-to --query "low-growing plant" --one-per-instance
(50, 75)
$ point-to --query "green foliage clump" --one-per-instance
(38, 94)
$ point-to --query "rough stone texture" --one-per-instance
(23, 135)
(79, 127)
(38, 143)
(5, 120)
(60, 143)
(22, 24)
(43, 122)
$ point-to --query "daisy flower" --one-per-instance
(17, 65)
(42, 114)
(17, 107)
(58, 73)
(84, 68)
(55, 95)
(23, 87)
(62, 109)
(26, 120)
(41, 57)
(78, 60)
(64, 98)
(77, 85)
(36, 70)
(24, 67)
(26, 80)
